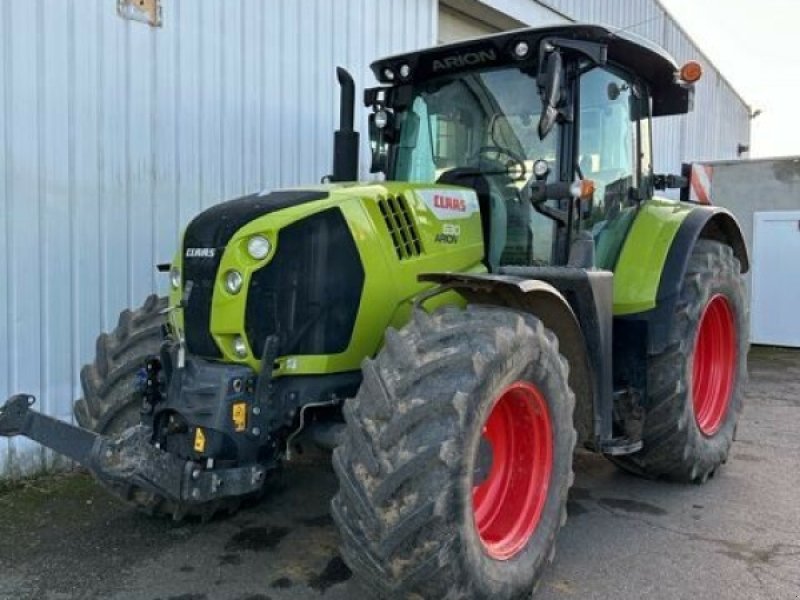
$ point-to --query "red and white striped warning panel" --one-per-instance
(700, 183)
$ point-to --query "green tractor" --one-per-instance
(513, 290)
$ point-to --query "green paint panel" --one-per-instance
(642, 259)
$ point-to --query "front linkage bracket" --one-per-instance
(129, 458)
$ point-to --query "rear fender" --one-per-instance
(702, 222)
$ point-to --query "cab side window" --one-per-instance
(607, 145)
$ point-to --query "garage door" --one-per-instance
(455, 25)
(776, 278)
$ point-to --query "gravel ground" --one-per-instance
(737, 537)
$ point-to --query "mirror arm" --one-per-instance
(559, 216)
(539, 192)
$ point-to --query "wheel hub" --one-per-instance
(714, 365)
(508, 500)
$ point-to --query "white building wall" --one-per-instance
(113, 135)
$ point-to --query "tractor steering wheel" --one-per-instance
(514, 163)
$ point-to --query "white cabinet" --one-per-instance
(775, 309)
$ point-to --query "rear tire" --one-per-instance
(417, 507)
(696, 386)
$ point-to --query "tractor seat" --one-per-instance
(492, 201)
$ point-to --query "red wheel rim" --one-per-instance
(714, 365)
(508, 503)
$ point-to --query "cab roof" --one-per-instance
(632, 52)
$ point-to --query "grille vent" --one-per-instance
(401, 226)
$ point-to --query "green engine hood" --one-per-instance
(397, 230)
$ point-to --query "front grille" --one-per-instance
(401, 225)
(200, 274)
(309, 293)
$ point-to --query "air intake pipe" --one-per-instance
(345, 140)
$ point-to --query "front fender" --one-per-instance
(544, 301)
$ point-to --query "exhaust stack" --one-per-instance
(345, 140)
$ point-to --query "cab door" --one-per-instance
(614, 151)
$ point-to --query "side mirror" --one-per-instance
(550, 87)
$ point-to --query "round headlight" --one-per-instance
(233, 281)
(239, 347)
(258, 247)
(175, 278)
(405, 71)
(388, 74)
(381, 119)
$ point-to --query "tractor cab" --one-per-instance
(521, 117)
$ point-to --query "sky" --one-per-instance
(755, 44)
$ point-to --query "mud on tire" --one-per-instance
(404, 506)
(675, 447)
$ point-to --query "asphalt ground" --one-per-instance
(736, 537)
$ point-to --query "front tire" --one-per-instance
(112, 401)
(696, 386)
(460, 408)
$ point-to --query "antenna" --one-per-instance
(633, 25)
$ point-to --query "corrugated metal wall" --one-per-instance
(720, 120)
(113, 135)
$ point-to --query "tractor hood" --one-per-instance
(338, 256)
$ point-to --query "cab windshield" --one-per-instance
(471, 120)
(486, 122)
